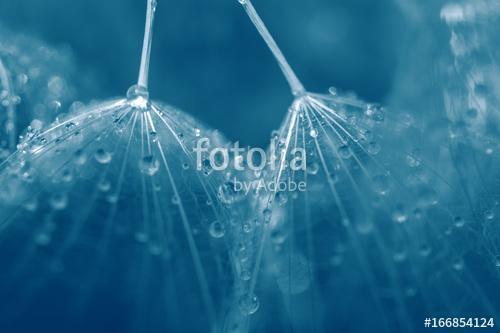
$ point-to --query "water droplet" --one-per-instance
(141, 237)
(380, 184)
(217, 229)
(31, 204)
(313, 168)
(67, 175)
(248, 227)
(149, 165)
(42, 239)
(59, 201)
(313, 133)
(153, 136)
(138, 97)
(155, 249)
(112, 198)
(281, 198)
(333, 91)
(248, 303)
(56, 85)
(414, 158)
(459, 222)
(427, 197)
(80, 157)
(266, 215)
(278, 236)
(344, 152)
(55, 105)
(102, 156)
(497, 261)
(374, 148)
(246, 275)
(228, 193)
(458, 264)
(70, 126)
(425, 250)
(206, 166)
(104, 185)
(22, 80)
(399, 215)
(489, 214)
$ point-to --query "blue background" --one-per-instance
(208, 59)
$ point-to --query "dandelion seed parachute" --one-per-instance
(36, 81)
(107, 208)
(370, 222)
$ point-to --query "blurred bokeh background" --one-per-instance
(208, 59)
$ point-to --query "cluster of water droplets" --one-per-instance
(36, 82)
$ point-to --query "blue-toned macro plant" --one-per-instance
(109, 205)
(369, 222)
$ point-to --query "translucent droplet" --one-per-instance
(153, 136)
(425, 250)
(58, 201)
(266, 215)
(381, 184)
(497, 261)
(112, 198)
(278, 236)
(281, 198)
(102, 156)
(149, 165)
(217, 229)
(248, 227)
(427, 197)
(248, 303)
(206, 166)
(141, 237)
(138, 97)
(246, 275)
(399, 215)
(344, 152)
(104, 185)
(42, 239)
(313, 168)
(56, 85)
(459, 222)
(31, 205)
(489, 214)
(414, 158)
(228, 193)
(313, 133)
(373, 148)
(458, 264)
(80, 157)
